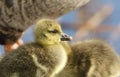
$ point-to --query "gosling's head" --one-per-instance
(48, 32)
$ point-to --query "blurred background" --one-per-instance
(99, 19)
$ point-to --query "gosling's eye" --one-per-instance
(53, 31)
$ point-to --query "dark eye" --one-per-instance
(54, 31)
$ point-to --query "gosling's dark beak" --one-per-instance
(66, 37)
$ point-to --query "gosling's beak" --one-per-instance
(66, 37)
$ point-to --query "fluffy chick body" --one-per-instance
(34, 60)
(43, 58)
(92, 58)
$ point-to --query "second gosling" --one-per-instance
(92, 58)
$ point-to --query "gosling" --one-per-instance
(92, 58)
(43, 58)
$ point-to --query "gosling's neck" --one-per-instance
(46, 44)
